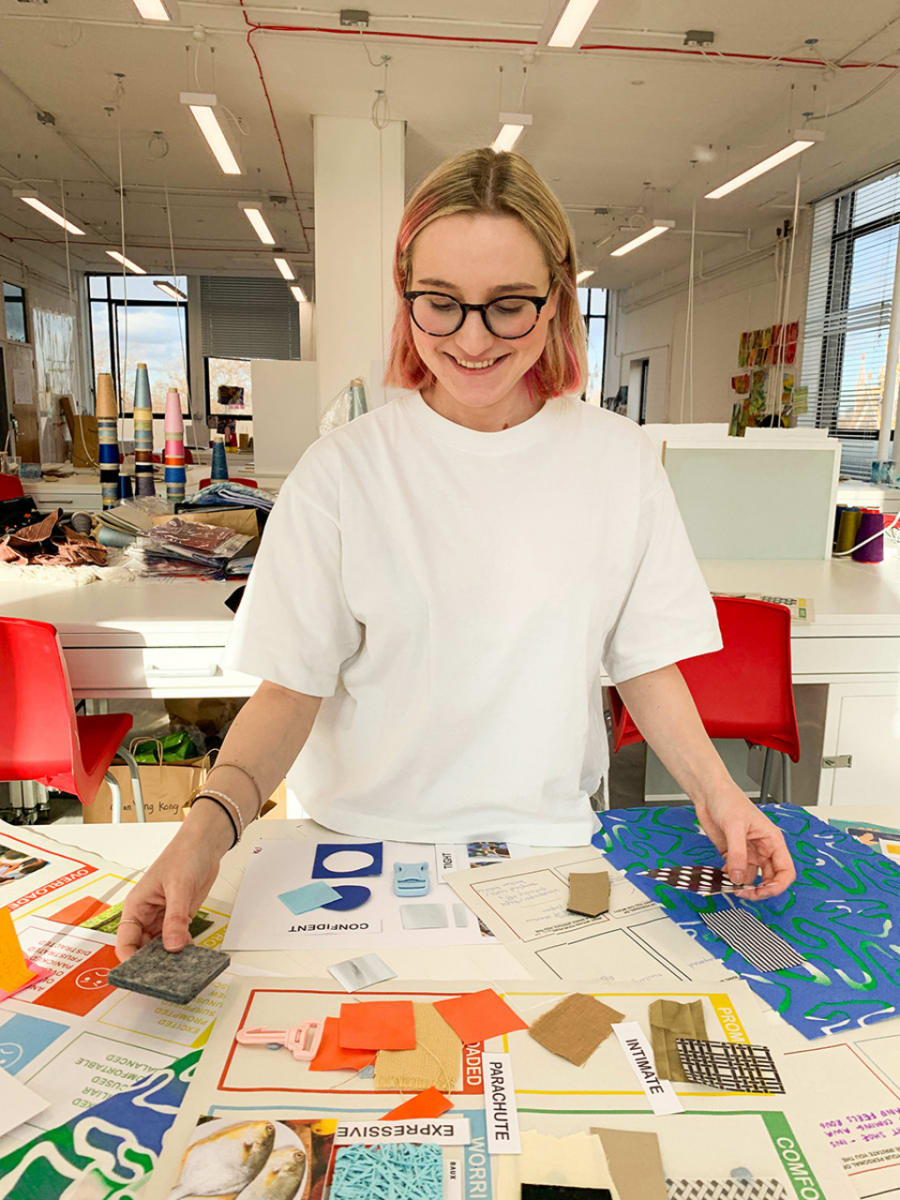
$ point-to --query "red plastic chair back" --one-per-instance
(246, 482)
(743, 690)
(38, 734)
(10, 487)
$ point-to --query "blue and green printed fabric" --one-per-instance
(842, 914)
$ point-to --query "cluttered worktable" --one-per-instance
(762, 1105)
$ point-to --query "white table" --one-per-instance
(165, 639)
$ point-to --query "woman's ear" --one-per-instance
(552, 305)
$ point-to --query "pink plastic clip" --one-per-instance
(302, 1040)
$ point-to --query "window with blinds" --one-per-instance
(248, 318)
(848, 313)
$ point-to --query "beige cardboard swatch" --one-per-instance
(575, 1027)
(670, 1020)
(634, 1163)
(588, 892)
(434, 1062)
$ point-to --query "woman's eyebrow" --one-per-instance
(500, 287)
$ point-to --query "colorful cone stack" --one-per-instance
(107, 440)
(174, 455)
(219, 470)
(143, 434)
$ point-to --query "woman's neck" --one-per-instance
(513, 409)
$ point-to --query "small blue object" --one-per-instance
(411, 879)
(396, 1171)
(325, 850)
(311, 895)
(349, 896)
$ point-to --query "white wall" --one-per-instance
(733, 291)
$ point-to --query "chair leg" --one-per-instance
(116, 797)
(785, 779)
(766, 776)
(134, 772)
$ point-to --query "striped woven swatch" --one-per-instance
(763, 949)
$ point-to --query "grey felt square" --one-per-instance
(178, 977)
(424, 916)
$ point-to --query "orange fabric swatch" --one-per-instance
(80, 910)
(477, 1016)
(430, 1103)
(377, 1025)
(331, 1057)
(14, 970)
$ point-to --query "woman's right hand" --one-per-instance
(172, 888)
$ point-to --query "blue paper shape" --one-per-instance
(311, 895)
(324, 850)
(842, 914)
(23, 1038)
(349, 896)
(411, 879)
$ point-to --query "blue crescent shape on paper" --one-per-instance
(351, 896)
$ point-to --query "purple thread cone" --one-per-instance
(870, 523)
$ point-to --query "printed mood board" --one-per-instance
(842, 915)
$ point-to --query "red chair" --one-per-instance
(41, 738)
(246, 482)
(11, 487)
(741, 691)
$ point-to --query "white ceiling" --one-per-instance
(615, 127)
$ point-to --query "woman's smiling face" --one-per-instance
(477, 258)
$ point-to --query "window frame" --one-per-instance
(16, 301)
(588, 316)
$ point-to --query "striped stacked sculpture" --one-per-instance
(219, 470)
(174, 455)
(143, 434)
(108, 440)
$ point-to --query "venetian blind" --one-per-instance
(248, 318)
(848, 313)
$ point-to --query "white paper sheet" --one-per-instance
(18, 1103)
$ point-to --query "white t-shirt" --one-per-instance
(454, 595)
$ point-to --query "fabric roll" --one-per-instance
(143, 434)
(107, 440)
(174, 453)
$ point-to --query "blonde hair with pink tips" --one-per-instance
(504, 184)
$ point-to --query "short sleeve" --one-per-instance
(668, 613)
(294, 626)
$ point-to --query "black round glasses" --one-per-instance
(508, 317)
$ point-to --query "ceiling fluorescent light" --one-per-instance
(202, 105)
(285, 268)
(571, 23)
(511, 126)
(152, 10)
(170, 289)
(583, 275)
(254, 215)
(126, 262)
(298, 294)
(657, 228)
(50, 213)
(802, 140)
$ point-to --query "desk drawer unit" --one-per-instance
(153, 671)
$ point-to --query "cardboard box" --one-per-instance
(166, 790)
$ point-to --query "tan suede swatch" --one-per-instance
(575, 1027)
(588, 892)
(435, 1062)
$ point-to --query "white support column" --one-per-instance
(889, 394)
(359, 196)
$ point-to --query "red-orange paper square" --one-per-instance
(331, 1057)
(430, 1103)
(477, 1016)
(377, 1025)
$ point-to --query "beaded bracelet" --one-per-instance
(244, 771)
(237, 819)
(205, 796)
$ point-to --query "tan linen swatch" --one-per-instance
(634, 1163)
(575, 1027)
(670, 1020)
(588, 893)
(435, 1062)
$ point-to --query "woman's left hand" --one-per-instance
(749, 842)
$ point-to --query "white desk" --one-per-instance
(158, 639)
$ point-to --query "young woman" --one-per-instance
(443, 580)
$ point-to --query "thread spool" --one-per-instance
(846, 538)
(174, 451)
(143, 434)
(871, 522)
(126, 492)
(219, 468)
(838, 513)
(107, 440)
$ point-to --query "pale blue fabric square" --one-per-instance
(311, 895)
